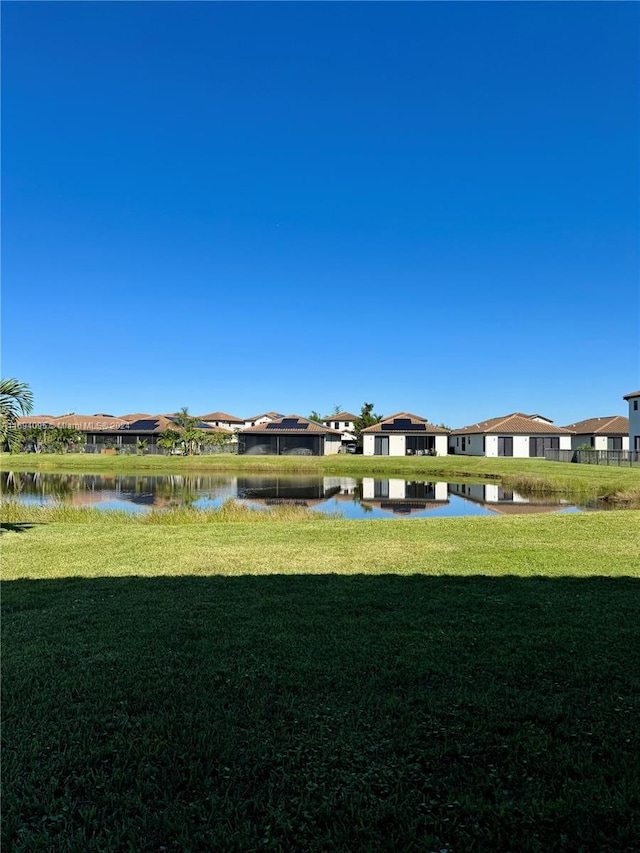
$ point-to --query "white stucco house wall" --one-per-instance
(403, 490)
(343, 422)
(516, 435)
(634, 419)
(607, 433)
(404, 434)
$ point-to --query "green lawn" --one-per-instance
(321, 713)
(197, 682)
(184, 543)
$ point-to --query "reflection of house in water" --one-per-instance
(503, 501)
(275, 491)
(403, 496)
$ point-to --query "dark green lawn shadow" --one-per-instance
(342, 713)
(16, 527)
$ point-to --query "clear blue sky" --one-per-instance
(253, 206)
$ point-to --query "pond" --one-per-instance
(349, 497)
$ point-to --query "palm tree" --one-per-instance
(15, 398)
(64, 437)
(191, 434)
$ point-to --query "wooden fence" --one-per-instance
(625, 458)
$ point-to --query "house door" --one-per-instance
(537, 446)
(505, 445)
(381, 445)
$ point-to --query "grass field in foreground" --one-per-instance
(526, 475)
(209, 683)
(320, 713)
(189, 542)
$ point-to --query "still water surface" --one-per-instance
(350, 497)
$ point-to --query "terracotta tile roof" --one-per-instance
(89, 423)
(136, 417)
(36, 420)
(221, 416)
(341, 416)
(311, 427)
(415, 421)
(612, 425)
(140, 423)
(516, 424)
(633, 394)
(522, 509)
(405, 506)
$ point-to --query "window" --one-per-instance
(505, 445)
(381, 445)
(336, 424)
(635, 405)
(614, 443)
(381, 488)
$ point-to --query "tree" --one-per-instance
(15, 398)
(190, 434)
(63, 438)
(184, 419)
(367, 418)
(169, 439)
(314, 416)
(217, 438)
(33, 438)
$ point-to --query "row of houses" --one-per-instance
(402, 434)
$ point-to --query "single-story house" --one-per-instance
(102, 431)
(503, 501)
(609, 433)
(404, 434)
(516, 435)
(289, 435)
(298, 491)
(403, 497)
(634, 419)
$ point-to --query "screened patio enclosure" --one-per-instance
(262, 444)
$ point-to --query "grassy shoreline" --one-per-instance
(528, 476)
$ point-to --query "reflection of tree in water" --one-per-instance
(10, 483)
(172, 490)
(358, 498)
(57, 486)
